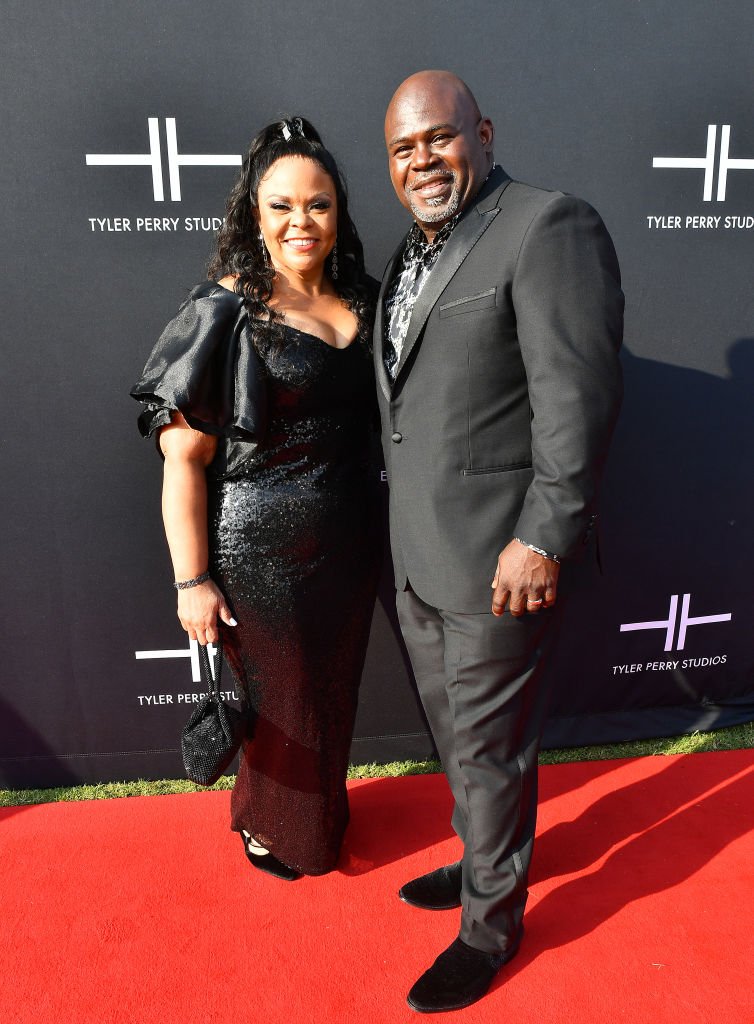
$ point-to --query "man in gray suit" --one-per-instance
(496, 351)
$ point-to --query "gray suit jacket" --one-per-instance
(508, 388)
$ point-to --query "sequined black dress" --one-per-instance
(294, 546)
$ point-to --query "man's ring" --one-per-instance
(532, 600)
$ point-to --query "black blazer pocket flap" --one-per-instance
(510, 467)
(469, 303)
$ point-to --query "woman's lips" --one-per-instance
(301, 244)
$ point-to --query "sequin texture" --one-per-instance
(295, 548)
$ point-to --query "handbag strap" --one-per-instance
(212, 685)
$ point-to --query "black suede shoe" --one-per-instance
(457, 978)
(439, 890)
(266, 862)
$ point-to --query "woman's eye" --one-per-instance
(278, 206)
(321, 205)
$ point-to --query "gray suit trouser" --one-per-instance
(481, 684)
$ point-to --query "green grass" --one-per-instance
(734, 738)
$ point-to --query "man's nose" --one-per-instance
(423, 156)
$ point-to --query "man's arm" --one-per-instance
(569, 311)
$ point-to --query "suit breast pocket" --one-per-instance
(469, 303)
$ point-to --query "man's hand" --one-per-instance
(524, 580)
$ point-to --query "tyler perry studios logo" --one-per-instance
(715, 158)
(174, 160)
(684, 622)
(192, 653)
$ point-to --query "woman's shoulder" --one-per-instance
(218, 292)
(208, 317)
(196, 365)
(208, 307)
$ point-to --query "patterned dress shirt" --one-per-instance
(419, 256)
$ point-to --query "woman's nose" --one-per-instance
(300, 217)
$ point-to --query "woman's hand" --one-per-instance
(198, 610)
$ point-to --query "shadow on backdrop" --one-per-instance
(676, 514)
(28, 760)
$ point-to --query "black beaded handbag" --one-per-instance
(213, 734)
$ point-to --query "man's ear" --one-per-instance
(486, 133)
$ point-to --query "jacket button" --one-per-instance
(397, 438)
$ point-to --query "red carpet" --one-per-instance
(144, 910)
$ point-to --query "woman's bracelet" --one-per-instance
(186, 584)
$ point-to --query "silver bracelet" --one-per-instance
(540, 551)
(186, 584)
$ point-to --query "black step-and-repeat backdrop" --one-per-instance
(122, 128)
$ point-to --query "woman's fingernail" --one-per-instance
(233, 622)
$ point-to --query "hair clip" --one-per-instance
(298, 128)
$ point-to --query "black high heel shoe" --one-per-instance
(269, 863)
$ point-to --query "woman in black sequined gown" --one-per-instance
(265, 381)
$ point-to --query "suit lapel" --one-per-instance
(462, 240)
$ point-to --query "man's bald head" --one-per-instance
(439, 146)
(425, 87)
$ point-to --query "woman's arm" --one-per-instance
(187, 453)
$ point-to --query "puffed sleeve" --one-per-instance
(205, 366)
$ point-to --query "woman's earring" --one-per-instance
(265, 255)
(334, 255)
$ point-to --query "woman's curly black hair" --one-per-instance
(240, 250)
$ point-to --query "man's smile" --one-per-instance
(433, 185)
